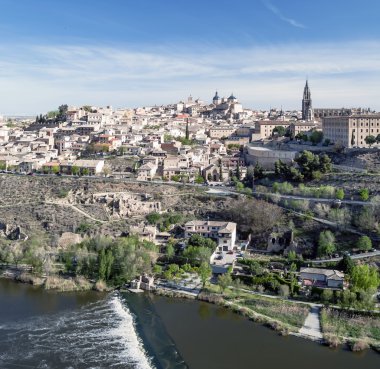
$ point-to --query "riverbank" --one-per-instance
(52, 282)
(289, 318)
(282, 316)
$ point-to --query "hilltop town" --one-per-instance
(206, 199)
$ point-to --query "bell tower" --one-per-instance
(307, 108)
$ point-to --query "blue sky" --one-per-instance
(144, 52)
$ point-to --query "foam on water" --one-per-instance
(100, 335)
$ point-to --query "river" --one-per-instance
(49, 330)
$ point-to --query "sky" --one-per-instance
(128, 53)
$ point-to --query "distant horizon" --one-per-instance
(133, 54)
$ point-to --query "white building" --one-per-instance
(223, 233)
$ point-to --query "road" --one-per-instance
(313, 199)
(355, 257)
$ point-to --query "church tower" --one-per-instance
(307, 108)
(216, 100)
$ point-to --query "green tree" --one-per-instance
(170, 250)
(292, 256)
(279, 130)
(364, 194)
(301, 136)
(258, 171)
(153, 218)
(326, 243)
(204, 272)
(224, 281)
(200, 241)
(339, 194)
(370, 140)
(327, 296)
(157, 270)
(346, 264)
(187, 134)
(199, 179)
(316, 137)
(197, 254)
(364, 277)
(239, 186)
(238, 171)
(55, 169)
(364, 243)
(75, 170)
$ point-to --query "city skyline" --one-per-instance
(120, 54)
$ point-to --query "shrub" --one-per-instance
(283, 290)
(153, 218)
(326, 243)
(339, 194)
(364, 243)
(359, 345)
(83, 228)
(62, 193)
(332, 341)
(364, 194)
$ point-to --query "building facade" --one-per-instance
(351, 131)
(223, 233)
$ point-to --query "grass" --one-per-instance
(350, 325)
(286, 312)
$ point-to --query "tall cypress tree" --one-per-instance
(238, 173)
(187, 130)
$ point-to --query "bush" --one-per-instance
(283, 290)
(83, 228)
(62, 193)
(153, 218)
(359, 345)
(364, 243)
(326, 243)
(339, 194)
(364, 194)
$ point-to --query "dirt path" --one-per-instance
(312, 325)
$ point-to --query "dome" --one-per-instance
(216, 97)
(232, 97)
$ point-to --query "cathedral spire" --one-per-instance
(307, 109)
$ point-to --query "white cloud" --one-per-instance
(279, 14)
(36, 78)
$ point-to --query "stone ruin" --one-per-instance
(281, 240)
(12, 232)
(127, 204)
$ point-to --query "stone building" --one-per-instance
(267, 157)
(223, 233)
(322, 278)
(351, 131)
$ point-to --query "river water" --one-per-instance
(43, 329)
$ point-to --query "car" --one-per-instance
(31, 174)
(230, 252)
(59, 174)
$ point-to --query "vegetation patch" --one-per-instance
(350, 325)
(292, 314)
